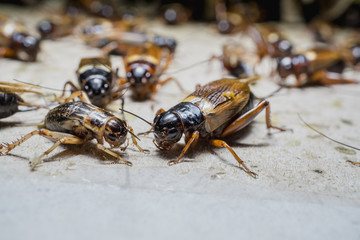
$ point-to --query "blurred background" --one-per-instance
(345, 12)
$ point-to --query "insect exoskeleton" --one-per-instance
(15, 42)
(238, 61)
(56, 26)
(212, 112)
(79, 122)
(10, 100)
(319, 66)
(144, 66)
(97, 79)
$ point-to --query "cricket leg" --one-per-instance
(109, 48)
(354, 163)
(5, 148)
(163, 82)
(101, 147)
(329, 78)
(156, 88)
(249, 116)
(268, 120)
(56, 136)
(167, 63)
(130, 129)
(6, 52)
(193, 139)
(72, 86)
(223, 144)
(124, 148)
(9, 89)
(61, 138)
(80, 94)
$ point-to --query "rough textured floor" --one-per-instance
(305, 188)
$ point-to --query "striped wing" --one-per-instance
(220, 100)
(321, 58)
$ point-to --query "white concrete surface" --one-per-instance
(305, 188)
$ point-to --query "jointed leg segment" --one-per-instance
(246, 118)
(59, 138)
(193, 139)
(130, 129)
(223, 144)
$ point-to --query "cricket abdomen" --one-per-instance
(69, 118)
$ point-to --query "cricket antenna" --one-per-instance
(136, 116)
(188, 67)
(322, 134)
(39, 86)
(146, 133)
(274, 92)
(134, 135)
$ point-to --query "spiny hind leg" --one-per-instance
(247, 117)
(223, 144)
(60, 138)
(329, 78)
(5, 148)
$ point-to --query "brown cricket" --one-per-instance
(212, 112)
(79, 122)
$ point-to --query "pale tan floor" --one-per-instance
(305, 188)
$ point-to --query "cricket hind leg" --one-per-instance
(59, 138)
(223, 144)
(329, 78)
(249, 116)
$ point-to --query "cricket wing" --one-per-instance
(321, 58)
(220, 101)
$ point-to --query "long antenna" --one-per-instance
(322, 134)
(274, 92)
(106, 66)
(136, 116)
(36, 85)
(134, 135)
(188, 67)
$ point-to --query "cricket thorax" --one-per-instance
(190, 115)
